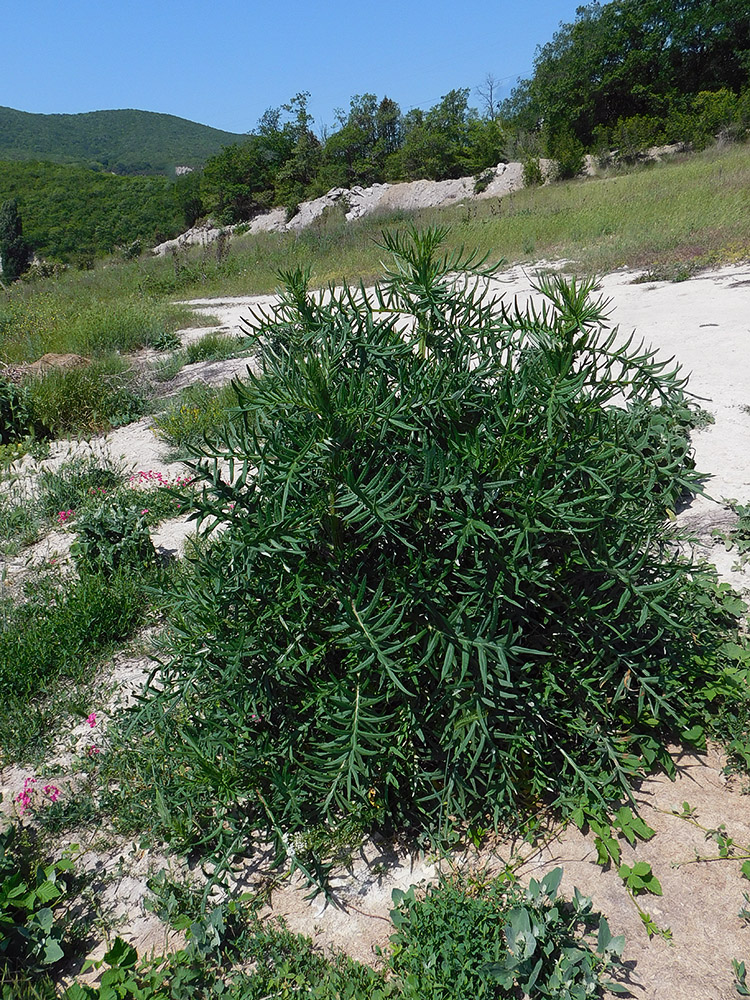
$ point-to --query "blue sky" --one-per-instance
(223, 62)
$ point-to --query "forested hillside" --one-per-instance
(74, 214)
(124, 142)
(622, 77)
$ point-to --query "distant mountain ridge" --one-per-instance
(124, 142)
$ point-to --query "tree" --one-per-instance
(489, 91)
(300, 168)
(15, 252)
(187, 195)
(633, 58)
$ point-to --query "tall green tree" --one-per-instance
(15, 252)
(633, 57)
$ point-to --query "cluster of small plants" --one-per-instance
(82, 488)
(58, 626)
(465, 936)
(195, 415)
(84, 399)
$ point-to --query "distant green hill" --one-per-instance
(123, 142)
(71, 213)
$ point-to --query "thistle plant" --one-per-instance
(445, 588)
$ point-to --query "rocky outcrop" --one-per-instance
(358, 202)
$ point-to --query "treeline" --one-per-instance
(634, 73)
(284, 162)
(73, 214)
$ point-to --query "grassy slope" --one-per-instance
(126, 141)
(673, 217)
(676, 216)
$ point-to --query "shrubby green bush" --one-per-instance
(532, 172)
(445, 585)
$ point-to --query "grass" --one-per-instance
(49, 647)
(86, 399)
(691, 209)
(93, 313)
(210, 347)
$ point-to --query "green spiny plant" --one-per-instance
(445, 585)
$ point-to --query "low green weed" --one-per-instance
(473, 939)
(20, 520)
(75, 484)
(112, 538)
(30, 935)
(198, 412)
(738, 537)
(16, 418)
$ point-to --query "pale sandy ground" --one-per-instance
(705, 324)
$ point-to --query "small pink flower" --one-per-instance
(64, 515)
(145, 510)
(93, 751)
(52, 792)
(92, 719)
(25, 795)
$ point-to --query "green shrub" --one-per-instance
(111, 538)
(475, 939)
(90, 398)
(532, 172)
(569, 153)
(446, 585)
(16, 419)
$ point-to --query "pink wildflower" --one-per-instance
(92, 719)
(93, 750)
(25, 795)
(52, 792)
(64, 515)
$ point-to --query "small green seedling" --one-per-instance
(640, 879)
